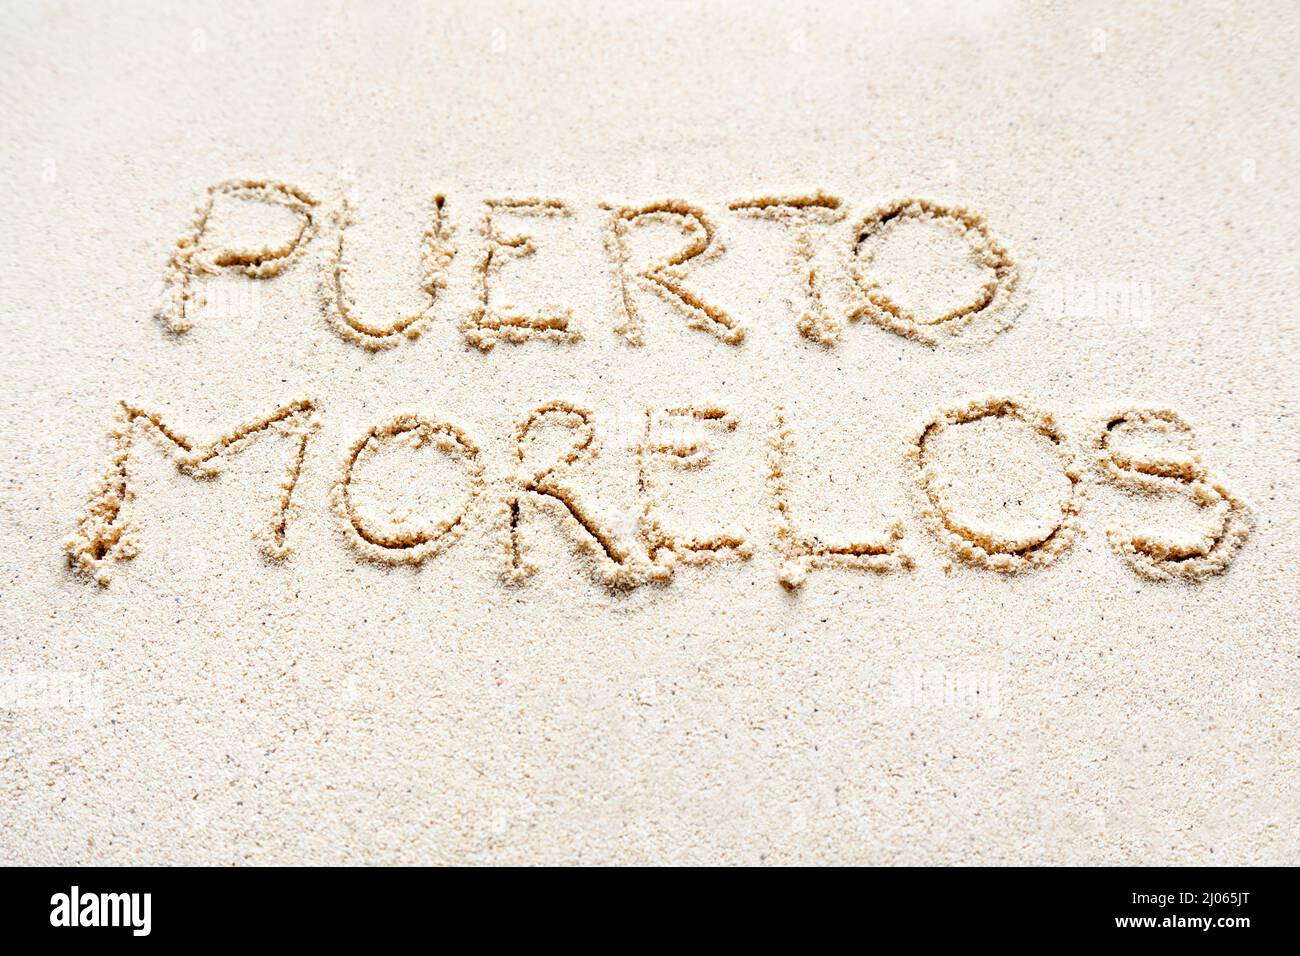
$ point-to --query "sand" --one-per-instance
(558, 434)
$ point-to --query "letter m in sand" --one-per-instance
(106, 532)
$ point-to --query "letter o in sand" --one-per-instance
(387, 540)
(993, 300)
(984, 546)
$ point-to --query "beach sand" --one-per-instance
(883, 451)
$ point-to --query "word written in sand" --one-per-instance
(538, 484)
(199, 255)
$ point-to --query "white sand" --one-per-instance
(900, 644)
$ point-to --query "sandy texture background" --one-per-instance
(211, 706)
